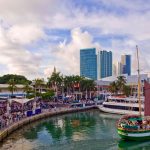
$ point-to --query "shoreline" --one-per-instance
(7, 131)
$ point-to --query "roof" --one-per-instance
(21, 101)
(7, 85)
(133, 79)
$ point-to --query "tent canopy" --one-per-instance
(22, 101)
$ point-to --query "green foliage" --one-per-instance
(29, 96)
(27, 88)
(55, 79)
(48, 95)
(19, 79)
(119, 86)
(87, 85)
(121, 81)
(127, 90)
(113, 87)
(71, 81)
(12, 86)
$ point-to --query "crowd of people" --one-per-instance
(135, 123)
(15, 111)
(8, 119)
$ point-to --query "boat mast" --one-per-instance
(139, 82)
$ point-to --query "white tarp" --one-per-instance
(22, 101)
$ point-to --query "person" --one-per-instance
(139, 122)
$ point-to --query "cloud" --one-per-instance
(23, 25)
(66, 54)
(25, 34)
(15, 57)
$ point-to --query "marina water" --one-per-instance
(89, 130)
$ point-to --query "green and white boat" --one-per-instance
(134, 128)
(137, 127)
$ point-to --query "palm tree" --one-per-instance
(68, 84)
(113, 87)
(38, 83)
(87, 86)
(55, 81)
(12, 86)
(27, 88)
(121, 81)
(71, 83)
(77, 80)
(127, 90)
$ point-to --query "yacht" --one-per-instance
(122, 105)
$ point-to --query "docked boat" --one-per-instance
(137, 127)
(122, 105)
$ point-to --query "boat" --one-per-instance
(121, 105)
(137, 127)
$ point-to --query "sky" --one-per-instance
(36, 35)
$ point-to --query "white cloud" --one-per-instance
(24, 21)
(16, 58)
(66, 55)
(25, 34)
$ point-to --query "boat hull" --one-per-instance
(136, 136)
(118, 111)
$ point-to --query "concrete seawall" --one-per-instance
(6, 132)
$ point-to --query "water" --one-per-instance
(90, 130)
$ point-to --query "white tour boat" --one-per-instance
(122, 105)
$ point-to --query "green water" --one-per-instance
(90, 130)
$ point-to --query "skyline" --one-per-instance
(35, 36)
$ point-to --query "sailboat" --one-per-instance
(137, 127)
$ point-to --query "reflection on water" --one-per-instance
(90, 130)
(133, 145)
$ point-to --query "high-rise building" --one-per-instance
(117, 68)
(126, 64)
(88, 63)
(104, 62)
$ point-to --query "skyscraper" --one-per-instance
(88, 63)
(117, 68)
(104, 62)
(126, 64)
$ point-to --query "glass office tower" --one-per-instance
(88, 63)
(104, 61)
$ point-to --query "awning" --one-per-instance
(22, 101)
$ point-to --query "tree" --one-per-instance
(12, 86)
(38, 84)
(68, 84)
(77, 81)
(127, 90)
(55, 81)
(113, 87)
(27, 88)
(121, 81)
(120, 86)
(87, 86)
(48, 95)
(19, 79)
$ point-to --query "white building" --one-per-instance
(132, 81)
(117, 68)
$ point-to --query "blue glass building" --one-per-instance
(104, 64)
(88, 63)
(126, 64)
